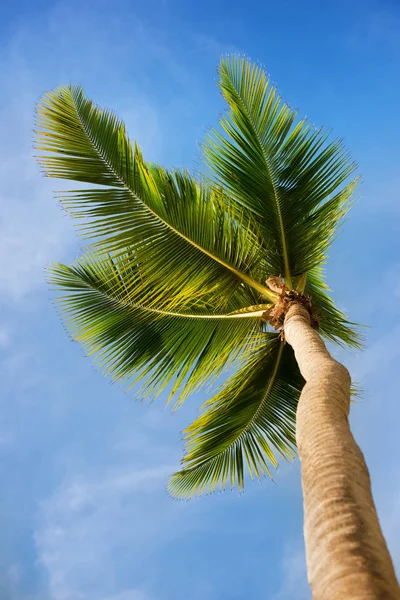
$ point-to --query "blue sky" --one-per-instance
(84, 514)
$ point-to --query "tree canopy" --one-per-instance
(170, 290)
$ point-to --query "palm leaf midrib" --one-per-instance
(243, 276)
(276, 195)
(136, 305)
(99, 151)
(268, 390)
(249, 424)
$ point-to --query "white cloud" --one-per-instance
(132, 594)
(90, 521)
(4, 337)
(33, 230)
(213, 46)
(31, 238)
(376, 358)
(294, 575)
(377, 27)
(5, 437)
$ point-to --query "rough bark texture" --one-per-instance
(347, 556)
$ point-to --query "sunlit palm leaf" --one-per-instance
(177, 228)
(283, 172)
(240, 428)
(132, 341)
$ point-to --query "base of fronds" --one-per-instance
(276, 315)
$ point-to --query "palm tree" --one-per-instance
(188, 279)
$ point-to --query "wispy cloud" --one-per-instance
(131, 594)
(294, 574)
(4, 337)
(91, 520)
(32, 230)
(378, 26)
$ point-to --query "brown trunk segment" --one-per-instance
(347, 556)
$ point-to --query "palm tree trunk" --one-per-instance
(347, 556)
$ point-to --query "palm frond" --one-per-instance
(132, 341)
(252, 416)
(283, 172)
(177, 227)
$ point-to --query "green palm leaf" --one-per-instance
(284, 173)
(177, 228)
(252, 415)
(132, 341)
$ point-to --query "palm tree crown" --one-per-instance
(171, 289)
